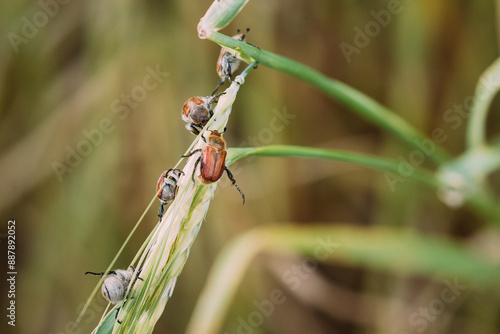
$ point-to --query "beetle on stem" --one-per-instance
(116, 283)
(212, 161)
(197, 112)
(227, 63)
(166, 188)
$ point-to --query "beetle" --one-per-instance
(212, 161)
(166, 188)
(227, 63)
(197, 112)
(116, 283)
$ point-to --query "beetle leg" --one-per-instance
(216, 96)
(160, 214)
(194, 129)
(231, 177)
(179, 170)
(140, 269)
(192, 152)
(194, 169)
(255, 46)
(116, 314)
(221, 81)
(199, 126)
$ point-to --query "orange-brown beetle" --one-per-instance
(197, 112)
(213, 161)
(227, 63)
(166, 187)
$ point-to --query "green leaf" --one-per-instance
(365, 106)
(373, 162)
(480, 201)
(395, 251)
(107, 325)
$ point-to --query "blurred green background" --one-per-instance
(77, 77)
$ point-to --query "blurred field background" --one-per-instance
(67, 78)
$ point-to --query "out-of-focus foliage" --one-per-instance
(90, 100)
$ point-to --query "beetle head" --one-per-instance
(215, 140)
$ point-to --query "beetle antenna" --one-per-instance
(244, 34)
(101, 274)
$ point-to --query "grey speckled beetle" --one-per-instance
(116, 283)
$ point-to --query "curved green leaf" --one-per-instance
(479, 201)
(377, 163)
(352, 98)
(396, 251)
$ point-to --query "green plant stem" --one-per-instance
(487, 87)
(352, 98)
(480, 202)
(381, 164)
